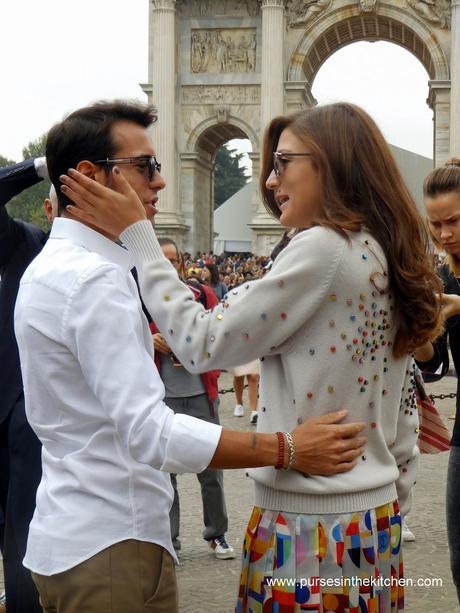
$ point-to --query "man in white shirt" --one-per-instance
(99, 540)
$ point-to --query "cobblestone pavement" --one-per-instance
(208, 585)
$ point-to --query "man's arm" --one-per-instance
(18, 177)
(13, 180)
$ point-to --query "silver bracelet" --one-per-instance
(291, 448)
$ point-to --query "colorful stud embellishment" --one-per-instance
(212, 338)
(283, 316)
(331, 323)
(312, 352)
(166, 297)
(332, 297)
(333, 349)
(343, 336)
(349, 301)
(220, 316)
(263, 316)
(309, 395)
(330, 389)
(281, 283)
(353, 317)
(188, 339)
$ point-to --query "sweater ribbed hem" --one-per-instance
(141, 241)
(292, 502)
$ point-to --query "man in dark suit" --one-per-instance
(20, 450)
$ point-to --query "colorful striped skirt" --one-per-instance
(345, 563)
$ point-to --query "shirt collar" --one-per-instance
(91, 240)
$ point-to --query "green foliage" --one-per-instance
(28, 205)
(5, 161)
(229, 177)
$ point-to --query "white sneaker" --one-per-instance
(407, 535)
(239, 411)
(222, 550)
(253, 418)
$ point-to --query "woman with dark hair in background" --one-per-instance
(334, 321)
(215, 282)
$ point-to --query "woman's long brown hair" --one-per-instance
(362, 186)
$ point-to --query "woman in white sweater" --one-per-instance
(334, 323)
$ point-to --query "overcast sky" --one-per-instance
(58, 55)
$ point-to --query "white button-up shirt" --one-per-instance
(95, 400)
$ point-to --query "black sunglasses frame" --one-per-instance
(279, 155)
(151, 163)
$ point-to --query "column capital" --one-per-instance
(164, 4)
(272, 4)
(455, 3)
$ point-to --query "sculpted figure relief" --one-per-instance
(300, 12)
(367, 6)
(434, 11)
(222, 51)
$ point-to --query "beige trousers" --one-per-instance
(128, 577)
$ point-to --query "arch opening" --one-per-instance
(369, 28)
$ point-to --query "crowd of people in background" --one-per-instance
(226, 271)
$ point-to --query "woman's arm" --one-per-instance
(255, 320)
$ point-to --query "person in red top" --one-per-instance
(195, 395)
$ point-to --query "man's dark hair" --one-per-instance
(85, 134)
(165, 240)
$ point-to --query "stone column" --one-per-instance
(272, 90)
(438, 101)
(162, 48)
(455, 81)
(265, 228)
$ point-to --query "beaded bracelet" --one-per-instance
(281, 449)
(291, 447)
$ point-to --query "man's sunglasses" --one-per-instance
(147, 161)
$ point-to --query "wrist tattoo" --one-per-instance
(254, 441)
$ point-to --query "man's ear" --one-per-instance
(47, 205)
(98, 173)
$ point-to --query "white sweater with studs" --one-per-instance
(321, 323)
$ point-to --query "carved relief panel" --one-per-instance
(211, 8)
(228, 94)
(219, 50)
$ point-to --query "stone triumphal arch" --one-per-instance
(220, 69)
